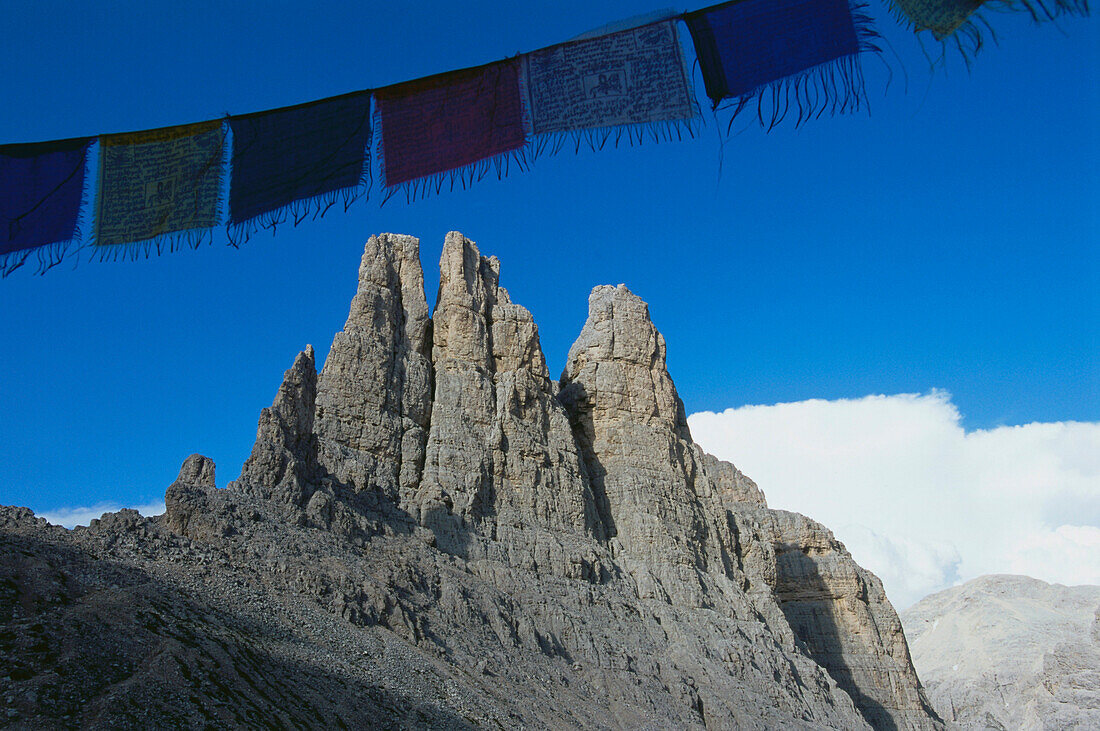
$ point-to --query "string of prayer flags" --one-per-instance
(41, 189)
(304, 158)
(635, 21)
(452, 125)
(163, 187)
(159, 187)
(635, 79)
(790, 55)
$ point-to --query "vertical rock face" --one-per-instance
(458, 470)
(539, 473)
(374, 394)
(500, 462)
(648, 482)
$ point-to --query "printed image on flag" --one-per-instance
(159, 182)
(636, 76)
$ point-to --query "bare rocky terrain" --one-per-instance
(1010, 652)
(432, 532)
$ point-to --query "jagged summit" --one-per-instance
(535, 553)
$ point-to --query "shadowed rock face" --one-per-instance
(283, 463)
(840, 614)
(489, 546)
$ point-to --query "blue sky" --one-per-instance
(947, 241)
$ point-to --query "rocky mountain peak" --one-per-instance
(500, 457)
(373, 400)
(617, 363)
(197, 470)
(451, 426)
(435, 501)
(282, 463)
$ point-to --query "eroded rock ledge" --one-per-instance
(559, 553)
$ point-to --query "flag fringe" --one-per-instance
(598, 138)
(48, 256)
(167, 243)
(461, 177)
(298, 211)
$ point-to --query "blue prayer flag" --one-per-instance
(41, 188)
(804, 51)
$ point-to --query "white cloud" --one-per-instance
(72, 517)
(917, 499)
(1070, 554)
(909, 568)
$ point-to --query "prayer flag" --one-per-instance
(636, 76)
(41, 188)
(159, 182)
(309, 152)
(798, 54)
(449, 122)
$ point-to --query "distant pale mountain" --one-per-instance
(1010, 652)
